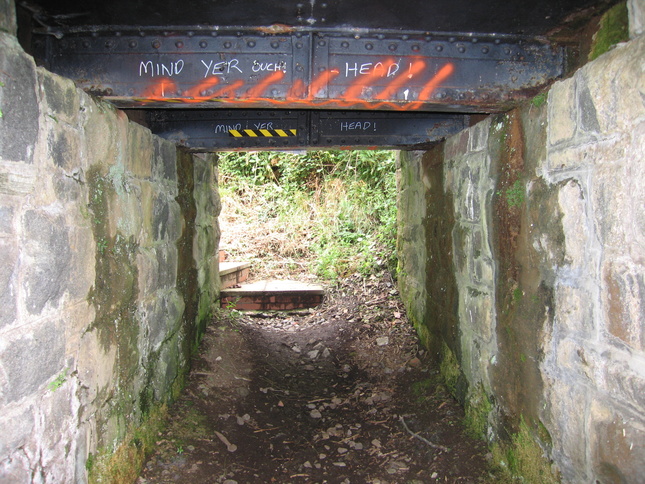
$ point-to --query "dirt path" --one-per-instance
(342, 394)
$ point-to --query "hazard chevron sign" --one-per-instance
(263, 133)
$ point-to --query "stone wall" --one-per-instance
(541, 213)
(108, 238)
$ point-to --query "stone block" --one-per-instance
(8, 267)
(478, 139)
(63, 147)
(67, 188)
(166, 219)
(561, 112)
(457, 145)
(588, 154)
(164, 162)
(587, 116)
(565, 412)
(96, 369)
(17, 178)
(6, 220)
(636, 9)
(148, 270)
(140, 151)
(579, 362)
(8, 17)
(17, 423)
(477, 312)
(63, 101)
(623, 301)
(612, 204)
(16, 468)
(20, 111)
(616, 82)
(30, 358)
(617, 444)
(46, 246)
(101, 133)
(162, 316)
(167, 263)
(623, 378)
(575, 224)
(574, 310)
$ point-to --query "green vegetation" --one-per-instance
(523, 460)
(613, 28)
(58, 381)
(478, 407)
(334, 210)
(515, 194)
(123, 465)
(540, 100)
(449, 369)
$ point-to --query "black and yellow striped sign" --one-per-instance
(263, 133)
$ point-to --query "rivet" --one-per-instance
(227, 45)
(203, 44)
(474, 40)
(142, 34)
(179, 44)
(165, 34)
(392, 47)
(344, 44)
(451, 39)
(190, 33)
(251, 43)
(322, 43)
(380, 36)
(214, 34)
(498, 41)
(109, 44)
(439, 48)
(133, 44)
(369, 46)
(275, 44)
(95, 34)
(86, 44)
(299, 45)
(416, 48)
(405, 37)
(156, 44)
(485, 50)
(117, 34)
(461, 49)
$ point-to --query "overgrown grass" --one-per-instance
(327, 212)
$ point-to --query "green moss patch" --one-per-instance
(613, 29)
(523, 460)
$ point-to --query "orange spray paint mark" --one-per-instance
(258, 90)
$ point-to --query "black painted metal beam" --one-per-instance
(299, 69)
(242, 129)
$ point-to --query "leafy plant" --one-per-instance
(515, 194)
(58, 381)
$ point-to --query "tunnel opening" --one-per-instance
(520, 262)
(343, 392)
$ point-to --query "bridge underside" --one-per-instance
(212, 75)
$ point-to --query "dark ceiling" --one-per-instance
(517, 17)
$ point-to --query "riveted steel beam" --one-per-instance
(305, 70)
(244, 129)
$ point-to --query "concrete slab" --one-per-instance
(273, 296)
(233, 273)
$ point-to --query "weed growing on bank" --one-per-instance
(331, 213)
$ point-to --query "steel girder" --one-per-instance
(285, 68)
(242, 129)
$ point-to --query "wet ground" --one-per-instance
(339, 394)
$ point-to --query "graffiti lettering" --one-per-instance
(268, 125)
(377, 69)
(225, 128)
(159, 69)
(269, 66)
(357, 126)
(220, 68)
